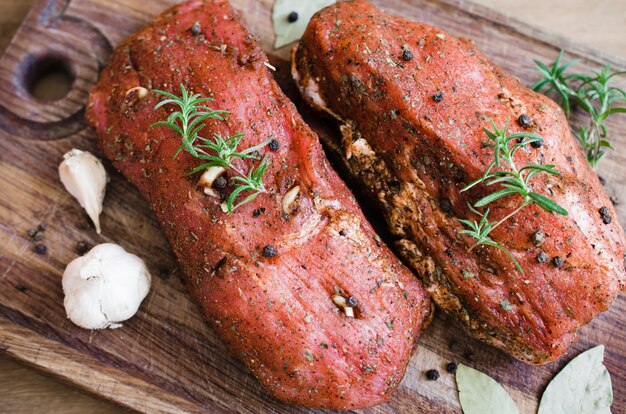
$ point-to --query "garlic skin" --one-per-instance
(104, 287)
(84, 177)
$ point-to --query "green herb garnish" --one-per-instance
(593, 94)
(480, 231)
(514, 182)
(583, 386)
(219, 152)
(481, 394)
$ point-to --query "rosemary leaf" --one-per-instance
(188, 122)
(593, 94)
(514, 182)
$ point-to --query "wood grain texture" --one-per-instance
(597, 24)
(24, 390)
(165, 359)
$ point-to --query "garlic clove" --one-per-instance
(289, 198)
(134, 95)
(85, 178)
(340, 301)
(104, 287)
(210, 175)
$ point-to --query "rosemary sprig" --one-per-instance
(513, 180)
(251, 182)
(219, 152)
(480, 231)
(593, 94)
(191, 115)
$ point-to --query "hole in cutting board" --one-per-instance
(48, 78)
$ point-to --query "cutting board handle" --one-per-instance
(78, 53)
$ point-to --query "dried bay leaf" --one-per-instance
(287, 32)
(582, 387)
(481, 394)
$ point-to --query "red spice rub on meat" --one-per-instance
(275, 311)
(413, 101)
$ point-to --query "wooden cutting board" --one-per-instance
(166, 359)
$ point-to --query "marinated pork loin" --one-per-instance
(413, 101)
(270, 278)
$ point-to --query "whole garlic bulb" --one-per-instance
(104, 287)
(84, 177)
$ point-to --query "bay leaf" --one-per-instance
(582, 387)
(287, 32)
(481, 394)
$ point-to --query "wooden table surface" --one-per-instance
(598, 23)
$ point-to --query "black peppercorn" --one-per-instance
(407, 55)
(40, 248)
(82, 248)
(37, 233)
(605, 215)
(269, 251)
(432, 374)
(438, 97)
(557, 261)
(445, 205)
(164, 272)
(274, 144)
(195, 29)
(537, 238)
(602, 180)
(542, 257)
(342, 232)
(537, 144)
(220, 182)
(351, 302)
(258, 211)
(451, 367)
(292, 17)
(524, 120)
